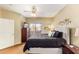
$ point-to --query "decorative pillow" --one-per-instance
(58, 34)
(52, 34)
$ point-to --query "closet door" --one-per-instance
(6, 33)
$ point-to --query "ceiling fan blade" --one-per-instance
(27, 11)
(33, 10)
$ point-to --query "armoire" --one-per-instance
(25, 31)
(24, 34)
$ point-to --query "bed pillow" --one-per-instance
(58, 34)
(52, 34)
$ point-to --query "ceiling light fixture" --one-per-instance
(33, 14)
(34, 10)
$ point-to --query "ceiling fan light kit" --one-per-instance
(33, 14)
(34, 9)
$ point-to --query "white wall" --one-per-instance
(18, 19)
(6, 33)
(72, 12)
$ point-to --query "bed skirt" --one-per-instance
(44, 51)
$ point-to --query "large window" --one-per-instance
(35, 27)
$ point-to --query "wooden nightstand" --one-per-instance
(67, 49)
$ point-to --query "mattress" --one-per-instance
(45, 51)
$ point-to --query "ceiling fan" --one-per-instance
(33, 11)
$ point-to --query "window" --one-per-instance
(35, 27)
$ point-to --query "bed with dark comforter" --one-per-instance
(43, 41)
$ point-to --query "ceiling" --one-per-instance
(43, 10)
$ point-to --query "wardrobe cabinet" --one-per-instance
(24, 34)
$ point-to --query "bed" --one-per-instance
(43, 42)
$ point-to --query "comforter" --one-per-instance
(44, 43)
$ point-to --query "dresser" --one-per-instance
(68, 49)
(24, 34)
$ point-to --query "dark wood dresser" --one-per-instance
(24, 34)
(67, 49)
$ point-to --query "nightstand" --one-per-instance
(70, 49)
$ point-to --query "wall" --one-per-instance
(71, 12)
(45, 21)
(18, 19)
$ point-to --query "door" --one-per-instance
(6, 33)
